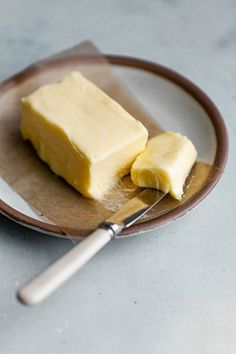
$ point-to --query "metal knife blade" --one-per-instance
(133, 210)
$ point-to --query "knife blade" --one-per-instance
(135, 208)
(56, 274)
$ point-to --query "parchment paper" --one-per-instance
(50, 195)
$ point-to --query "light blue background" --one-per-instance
(169, 291)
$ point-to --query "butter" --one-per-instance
(82, 134)
(165, 164)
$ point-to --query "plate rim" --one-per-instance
(159, 70)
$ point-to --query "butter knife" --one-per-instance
(56, 274)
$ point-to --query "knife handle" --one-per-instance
(55, 275)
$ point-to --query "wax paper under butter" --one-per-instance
(50, 195)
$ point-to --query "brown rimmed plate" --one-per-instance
(182, 106)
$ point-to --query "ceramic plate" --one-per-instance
(179, 105)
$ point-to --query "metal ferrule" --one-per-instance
(113, 229)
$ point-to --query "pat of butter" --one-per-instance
(165, 164)
(84, 135)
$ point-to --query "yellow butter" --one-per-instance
(83, 134)
(165, 164)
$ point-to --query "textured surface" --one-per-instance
(172, 291)
(165, 164)
(89, 144)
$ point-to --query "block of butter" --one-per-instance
(84, 135)
(165, 164)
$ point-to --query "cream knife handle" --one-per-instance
(51, 278)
